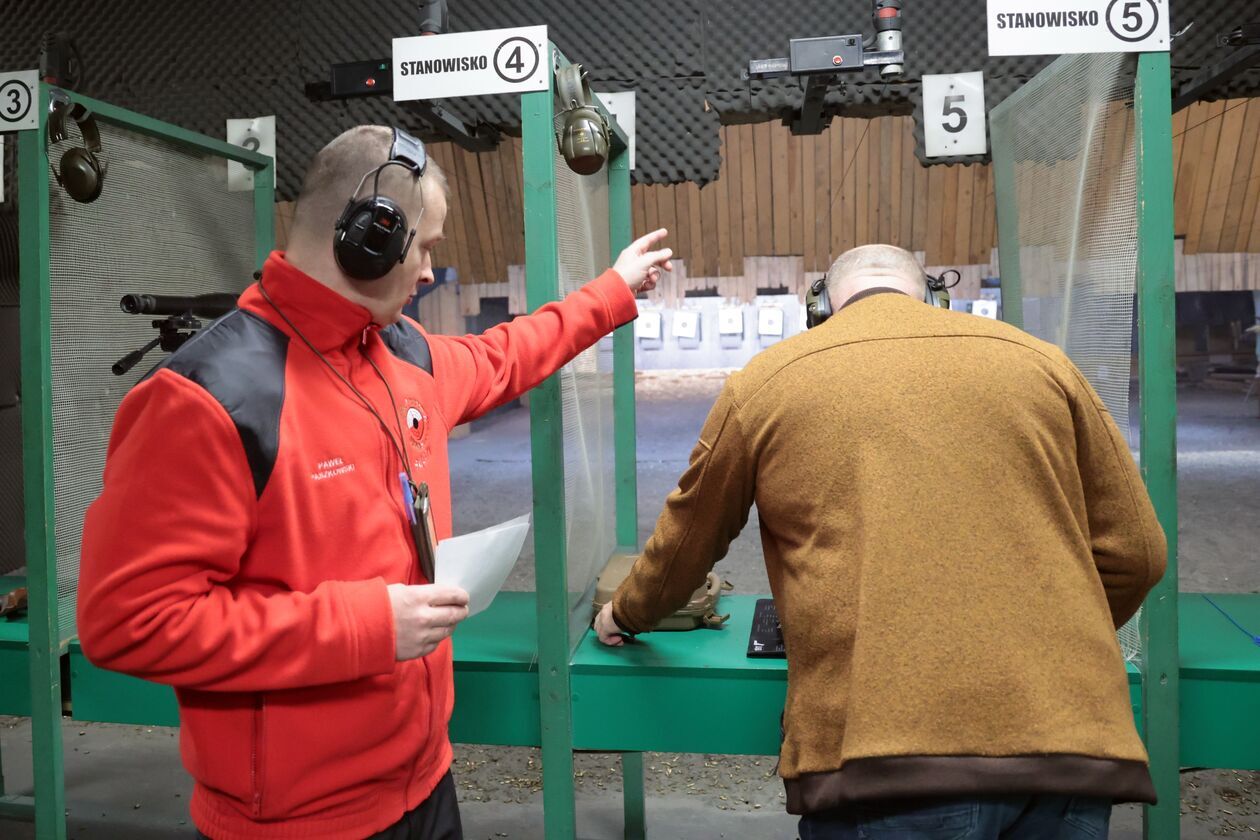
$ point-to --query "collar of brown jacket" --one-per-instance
(871, 292)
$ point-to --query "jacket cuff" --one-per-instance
(619, 617)
(372, 617)
(619, 301)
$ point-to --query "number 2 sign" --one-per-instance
(954, 115)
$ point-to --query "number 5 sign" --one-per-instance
(954, 115)
(17, 100)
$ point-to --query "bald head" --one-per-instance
(870, 267)
(335, 172)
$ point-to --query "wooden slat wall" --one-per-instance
(1217, 160)
(814, 197)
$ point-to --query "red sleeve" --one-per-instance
(163, 544)
(476, 373)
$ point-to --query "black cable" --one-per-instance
(397, 444)
(390, 392)
(1209, 119)
(845, 176)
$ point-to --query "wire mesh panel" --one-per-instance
(165, 224)
(1067, 139)
(12, 542)
(586, 393)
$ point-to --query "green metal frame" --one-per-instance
(1161, 664)
(45, 642)
(555, 645)
(1157, 384)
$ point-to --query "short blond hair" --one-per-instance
(874, 261)
(336, 169)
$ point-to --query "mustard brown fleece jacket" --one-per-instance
(953, 528)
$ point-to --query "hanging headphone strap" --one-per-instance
(87, 127)
(59, 105)
(573, 88)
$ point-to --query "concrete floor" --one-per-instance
(126, 782)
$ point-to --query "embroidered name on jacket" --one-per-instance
(331, 468)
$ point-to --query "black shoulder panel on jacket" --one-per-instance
(239, 360)
(408, 344)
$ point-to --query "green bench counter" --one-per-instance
(684, 692)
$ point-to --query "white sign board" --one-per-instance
(1052, 27)
(770, 321)
(621, 106)
(731, 320)
(17, 100)
(648, 325)
(471, 63)
(984, 308)
(258, 134)
(954, 115)
(686, 324)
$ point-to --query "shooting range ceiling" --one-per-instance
(199, 62)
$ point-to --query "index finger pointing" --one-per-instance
(648, 240)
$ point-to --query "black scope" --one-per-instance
(207, 306)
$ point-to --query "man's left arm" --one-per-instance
(701, 517)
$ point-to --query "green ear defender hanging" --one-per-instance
(583, 134)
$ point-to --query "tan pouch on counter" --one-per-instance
(700, 611)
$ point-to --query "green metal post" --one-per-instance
(632, 787)
(1157, 383)
(264, 212)
(37, 479)
(620, 234)
(1008, 228)
(546, 432)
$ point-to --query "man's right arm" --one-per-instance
(1129, 547)
(163, 544)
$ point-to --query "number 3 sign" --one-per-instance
(17, 100)
(954, 115)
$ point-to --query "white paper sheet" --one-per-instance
(479, 562)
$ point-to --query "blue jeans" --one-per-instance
(988, 818)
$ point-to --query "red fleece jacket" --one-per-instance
(267, 608)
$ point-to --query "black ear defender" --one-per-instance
(818, 303)
(371, 234)
(80, 172)
(583, 133)
(938, 287)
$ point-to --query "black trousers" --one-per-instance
(436, 818)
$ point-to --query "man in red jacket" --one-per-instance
(252, 545)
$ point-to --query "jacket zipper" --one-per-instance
(387, 456)
(255, 756)
(412, 569)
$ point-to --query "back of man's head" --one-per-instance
(874, 266)
(335, 172)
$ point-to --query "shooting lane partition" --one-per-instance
(526, 673)
(163, 213)
(1198, 683)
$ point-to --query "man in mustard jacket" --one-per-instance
(953, 529)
